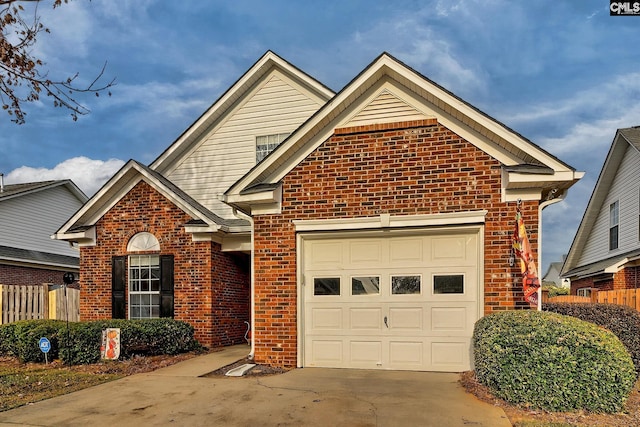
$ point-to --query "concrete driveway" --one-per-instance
(178, 395)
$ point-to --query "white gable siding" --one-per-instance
(385, 108)
(625, 188)
(28, 221)
(229, 151)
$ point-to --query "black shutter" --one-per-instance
(166, 285)
(118, 287)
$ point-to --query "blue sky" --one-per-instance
(563, 73)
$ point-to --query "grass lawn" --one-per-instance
(23, 384)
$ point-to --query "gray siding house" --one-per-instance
(29, 214)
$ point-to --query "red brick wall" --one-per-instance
(603, 285)
(627, 278)
(211, 288)
(400, 169)
(17, 275)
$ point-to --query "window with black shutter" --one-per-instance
(118, 286)
(148, 277)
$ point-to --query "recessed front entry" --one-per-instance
(385, 300)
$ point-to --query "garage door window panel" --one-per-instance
(365, 285)
(406, 285)
(326, 286)
(448, 284)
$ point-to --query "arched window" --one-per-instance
(149, 281)
(143, 242)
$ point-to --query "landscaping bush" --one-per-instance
(21, 339)
(7, 337)
(553, 362)
(80, 343)
(555, 291)
(623, 321)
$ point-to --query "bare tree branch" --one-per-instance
(22, 77)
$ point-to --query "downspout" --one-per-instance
(550, 201)
(240, 215)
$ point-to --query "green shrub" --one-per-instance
(555, 291)
(7, 338)
(26, 339)
(80, 342)
(623, 321)
(553, 362)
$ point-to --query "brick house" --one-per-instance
(605, 253)
(377, 227)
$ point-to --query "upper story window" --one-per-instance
(267, 143)
(614, 224)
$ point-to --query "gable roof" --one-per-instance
(622, 140)
(236, 93)
(10, 191)
(529, 164)
(79, 226)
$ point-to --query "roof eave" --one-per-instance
(274, 167)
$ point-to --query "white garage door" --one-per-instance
(391, 301)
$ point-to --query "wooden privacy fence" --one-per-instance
(25, 302)
(628, 297)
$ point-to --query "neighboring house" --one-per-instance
(605, 253)
(29, 214)
(553, 275)
(374, 234)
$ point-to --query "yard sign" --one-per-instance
(110, 348)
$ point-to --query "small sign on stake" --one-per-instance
(45, 346)
(110, 348)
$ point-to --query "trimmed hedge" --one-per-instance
(21, 339)
(621, 320)
(552, 362)
(80, 343)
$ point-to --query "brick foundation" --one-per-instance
(399, 169)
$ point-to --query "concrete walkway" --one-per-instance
(178, 395)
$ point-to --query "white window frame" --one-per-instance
(144, 271)
(583, 292)
(614, 225)
(265, 144)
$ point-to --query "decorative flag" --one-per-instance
(110, 348)
(522, 249)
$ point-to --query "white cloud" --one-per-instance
(71, 27)
(86, 173)
(422, 47)
(615, 98)
(580, 128)
(162, 99)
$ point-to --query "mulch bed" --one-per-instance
(516, 414)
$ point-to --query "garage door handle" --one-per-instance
(385, 322)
